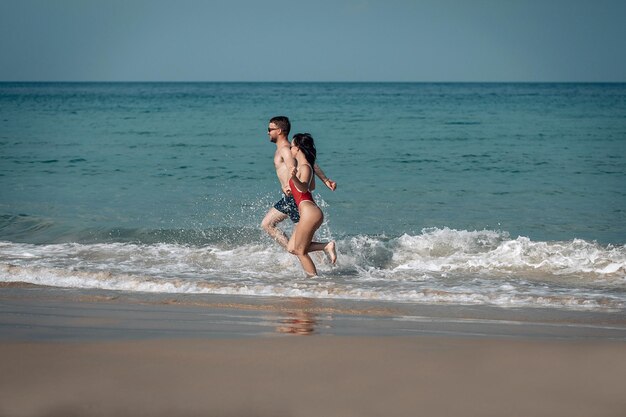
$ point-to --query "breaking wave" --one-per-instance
(437, 266)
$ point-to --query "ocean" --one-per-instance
(500, 194)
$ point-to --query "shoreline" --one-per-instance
(34, 313)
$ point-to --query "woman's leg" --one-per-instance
(328, 247)
(311, 219)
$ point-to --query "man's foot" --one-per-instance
(331, 252)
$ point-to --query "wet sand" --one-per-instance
(73, 353)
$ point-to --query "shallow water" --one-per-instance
(501, 194)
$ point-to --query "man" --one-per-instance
(278, 132)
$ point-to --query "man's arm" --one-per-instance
(329, 183)
(290, 164)
(289, 160)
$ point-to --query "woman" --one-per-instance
(311, 217)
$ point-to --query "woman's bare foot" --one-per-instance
(331, 252)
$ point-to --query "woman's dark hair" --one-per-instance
(305, 142)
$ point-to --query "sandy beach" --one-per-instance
(71, 353)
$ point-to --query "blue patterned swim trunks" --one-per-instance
(288, 206)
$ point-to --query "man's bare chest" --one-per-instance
(278, 161)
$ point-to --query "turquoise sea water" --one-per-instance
(508, 194)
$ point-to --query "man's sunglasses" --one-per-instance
(269, 129)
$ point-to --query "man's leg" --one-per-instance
(270, 223)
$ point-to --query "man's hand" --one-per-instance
(287, 190)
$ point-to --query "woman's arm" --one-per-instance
(302, 183)
(329, 183)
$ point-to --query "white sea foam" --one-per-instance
(436, 266)
(443, 250)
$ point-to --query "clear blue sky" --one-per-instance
(314, 40)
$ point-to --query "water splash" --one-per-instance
(436, 266)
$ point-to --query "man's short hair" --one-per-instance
(282, 122)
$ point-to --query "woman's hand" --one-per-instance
(330, 184)
(293, 172)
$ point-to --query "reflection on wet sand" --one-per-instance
(300, 320)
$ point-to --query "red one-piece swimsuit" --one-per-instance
(301, 196)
